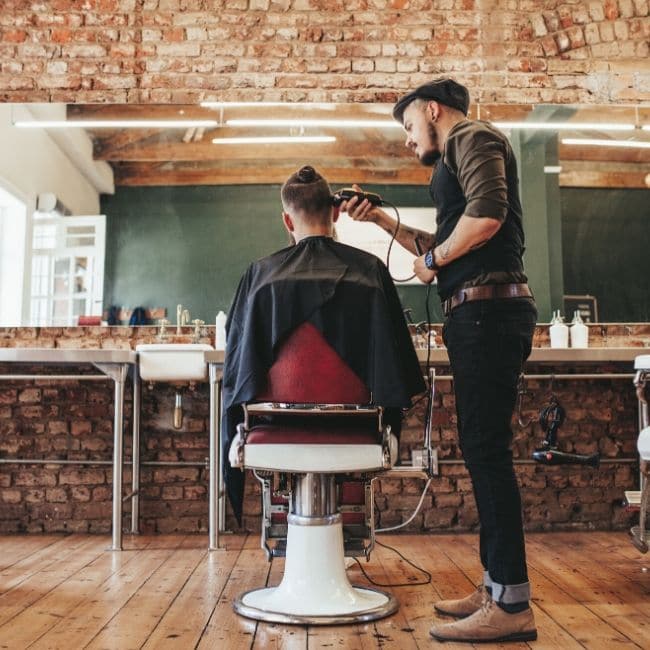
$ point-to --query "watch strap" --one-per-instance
(430, 261)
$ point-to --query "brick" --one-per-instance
(56, 495)
(28, 478)
(11, 496)
(610, 8)
(8, 396)
(89, 476)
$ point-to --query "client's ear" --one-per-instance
(288, 221)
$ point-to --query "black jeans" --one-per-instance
(488, 342)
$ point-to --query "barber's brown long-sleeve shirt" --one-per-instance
(477, 177)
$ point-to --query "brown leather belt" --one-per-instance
(486, 292)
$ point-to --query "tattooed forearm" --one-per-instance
(424, 239)
(445, 247)
(481, 243)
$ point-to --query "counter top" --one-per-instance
(555, 355)
(49, 355)
(438, 356)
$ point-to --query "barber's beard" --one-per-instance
(431, 157)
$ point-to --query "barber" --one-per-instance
(476, 257)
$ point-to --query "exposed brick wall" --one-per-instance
(180, 51)
(73, 420)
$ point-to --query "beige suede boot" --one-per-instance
(489, 623)
(462, 607)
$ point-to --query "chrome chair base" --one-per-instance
(385, 606)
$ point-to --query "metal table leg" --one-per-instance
(135, 456)
(215, 466)
(118, 373)
(221, 485)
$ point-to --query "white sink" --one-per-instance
(173, 361)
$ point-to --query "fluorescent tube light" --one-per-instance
(297, 122)
(284, 139)
(646, 127)
(595, 142)
(563, 126)
(233, 104)
(552, 169)
(115, 124)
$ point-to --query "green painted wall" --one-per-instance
(606, 250)
(190, 245)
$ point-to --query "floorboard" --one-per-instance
(590, 590)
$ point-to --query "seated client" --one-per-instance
(345, 293)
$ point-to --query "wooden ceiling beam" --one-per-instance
(604, 154)
(602, 174)
(603, 179)
(137, 174)
(206, 151)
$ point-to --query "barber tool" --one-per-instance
(347, 193)
(551, 419)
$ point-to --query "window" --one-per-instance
(67, 268)
(13, 223)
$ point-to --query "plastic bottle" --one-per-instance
(220, 332)
(579, 332)
(558, 331)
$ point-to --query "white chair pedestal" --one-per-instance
(315, 589)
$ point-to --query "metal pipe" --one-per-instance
(429, 423)
(221, 482)
(605, 461)
(57, 377)
(135, 455)
(50, 461)
(551, 375)
(214, 470)
(118, 459)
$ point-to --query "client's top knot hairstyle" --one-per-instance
(307, 193)
(307, 174)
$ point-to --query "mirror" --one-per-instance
(184, 216)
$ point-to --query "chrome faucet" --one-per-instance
(198, 323)
(182, 318)
(162, 332)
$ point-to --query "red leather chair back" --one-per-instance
(309, 370)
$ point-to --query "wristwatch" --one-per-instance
(430, 261)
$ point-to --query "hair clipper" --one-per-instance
(347, 193)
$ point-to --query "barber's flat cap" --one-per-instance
(446, 91)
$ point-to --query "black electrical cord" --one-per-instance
(397, 584)
(392, 240)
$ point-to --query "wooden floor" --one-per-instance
(591, 590)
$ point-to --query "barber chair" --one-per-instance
(311, 430)
(640, 534)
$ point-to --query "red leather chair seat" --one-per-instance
(271, 434)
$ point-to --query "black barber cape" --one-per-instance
(349, 296)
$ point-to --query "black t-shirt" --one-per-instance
(477, 177)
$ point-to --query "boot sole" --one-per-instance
(516, 636)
